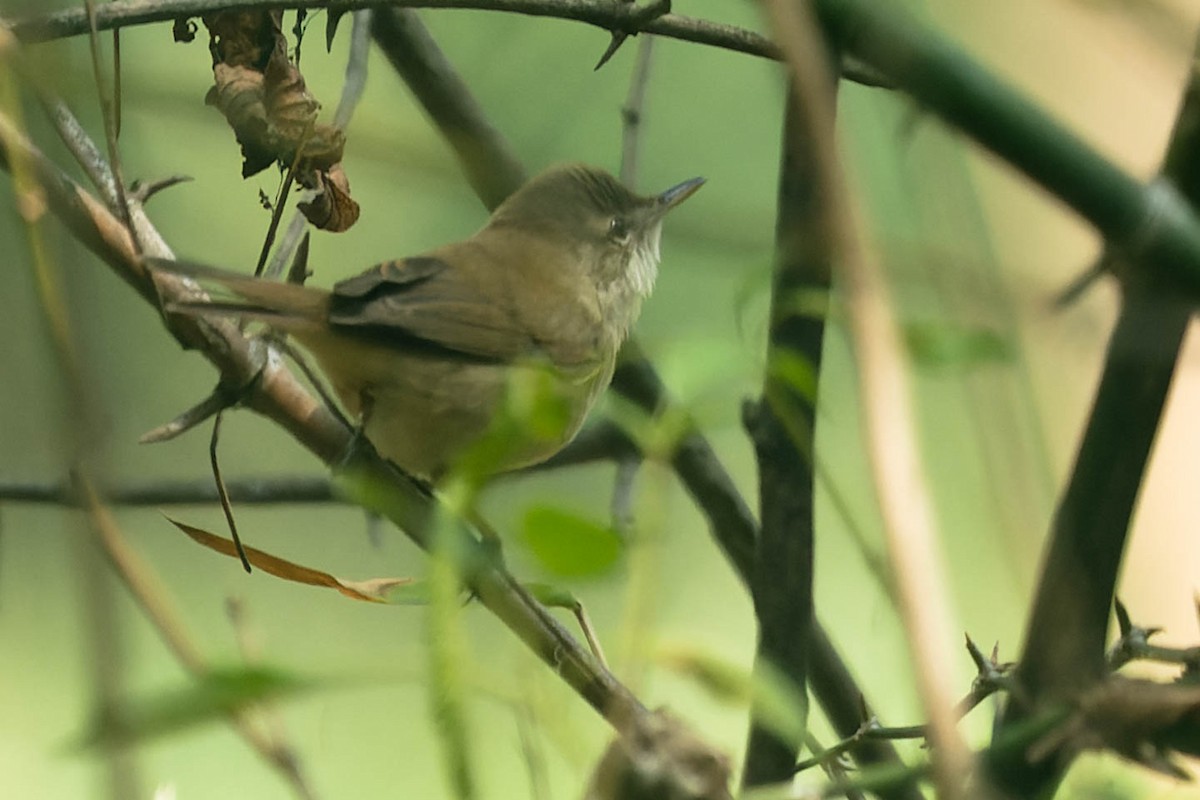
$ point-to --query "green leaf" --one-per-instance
(941, 345)
(553, 596)
(568, 545)
(212, 696)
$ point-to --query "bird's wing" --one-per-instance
(416, 302)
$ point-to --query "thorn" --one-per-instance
(1124, 624)
(143, 191)
(1077, 287)
(298, 272)
(977, 656)
(218, 400)
(634, 20)
(618, 39)
(332, 17)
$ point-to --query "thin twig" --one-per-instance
(633, 111)
(356, 68)
(1134, 644)
(116, 40)
(601, 13)
(245, 491)
(226, 506)
(82, 147)
(278, 206)
(835, 768)
(105, 663)
(109, 116)
(287, 244)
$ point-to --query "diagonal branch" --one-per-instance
(491, 166)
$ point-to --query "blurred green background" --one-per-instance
(973, 253)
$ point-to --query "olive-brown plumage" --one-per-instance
(430, 349)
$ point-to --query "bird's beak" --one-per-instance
(677, 194)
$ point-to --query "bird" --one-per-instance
(487, 352)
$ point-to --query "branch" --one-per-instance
(601, 13)
(732, 525)
(782, 427)
(249, 491)
(491, 166)
(626, 17)
(1064, 651)
(887, 419)
(1151, 223)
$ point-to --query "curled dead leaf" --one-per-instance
(264, 98)
(291, 108)
(184, 30)
(244, 38)
(237, 93)
(332, 209)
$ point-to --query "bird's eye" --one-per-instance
(618, 230)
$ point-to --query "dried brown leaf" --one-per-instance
(184, 30)
(263, 96)
(374, 590)
(237, 93)
(333, 209)
(291, 108)
(244, 38)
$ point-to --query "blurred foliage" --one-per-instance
(568, 545)
(213, 696)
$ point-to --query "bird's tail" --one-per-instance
(287, 307)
